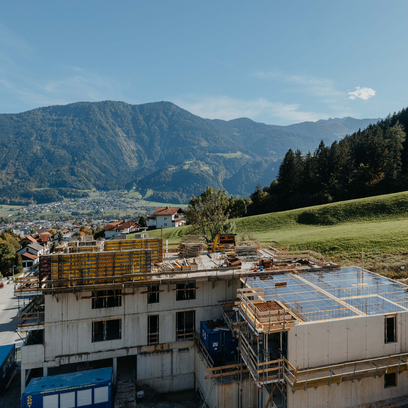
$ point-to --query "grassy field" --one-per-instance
(377, 225)
(4, 209)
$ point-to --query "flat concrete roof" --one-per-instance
(338, 294)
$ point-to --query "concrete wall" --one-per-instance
(166, 367)
(337, 341)
(32, 355)
(68, 321)
(167, 371)
(348, 394)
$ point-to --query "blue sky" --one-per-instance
(272, 61)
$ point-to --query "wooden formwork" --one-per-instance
(85, 268)
(154, 244)
(264, 316)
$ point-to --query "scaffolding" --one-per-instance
(338, 373)
(30, 313)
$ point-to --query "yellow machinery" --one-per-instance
(225, 239)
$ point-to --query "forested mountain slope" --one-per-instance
(157, 146)
(370, 162)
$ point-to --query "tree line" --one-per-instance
(367, 163)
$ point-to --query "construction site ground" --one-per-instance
(10, 398)
(182, 399)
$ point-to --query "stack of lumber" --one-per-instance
(191, 246)
(246, 250)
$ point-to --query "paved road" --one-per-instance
(8, 316)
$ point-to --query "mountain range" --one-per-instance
(155, 147)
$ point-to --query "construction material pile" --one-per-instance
(179, 265)
(191, 246)
(246, 250)
(232, 259)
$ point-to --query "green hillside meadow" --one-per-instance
(340, 231)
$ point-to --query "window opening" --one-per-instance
(390, 329)
(106, 298)
(390, 380)
(153, 329)
(185, 325)
(153, 294)
(106, 330)
(185, 291)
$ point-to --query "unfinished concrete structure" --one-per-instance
(308, 333)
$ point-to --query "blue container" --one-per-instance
(229, 348)
(7, 364)
(91, 388)
(211, 338)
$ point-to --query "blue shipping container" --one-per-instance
(211, 338)
(7, 364)
(229, 347)
(92, 388)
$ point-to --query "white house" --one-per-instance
(167, 217)
(30, 254)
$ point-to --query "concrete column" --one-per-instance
(115, 369)
(23, 381)
(45, 371)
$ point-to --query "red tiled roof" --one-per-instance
(29, 256)
(128, 224)
(30, 238)
(115, 226)
(110, 226)
(166, 210)
(45, 237)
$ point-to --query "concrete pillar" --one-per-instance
(23, 381)
(45, 371)
(115, 369)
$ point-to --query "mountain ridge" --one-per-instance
(110, 145)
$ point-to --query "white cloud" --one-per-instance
(224, 107)
(362, 93)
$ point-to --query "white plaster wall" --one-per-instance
(160, 221)
(348, 394)
(337, 341)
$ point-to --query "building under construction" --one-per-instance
(246, 325)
